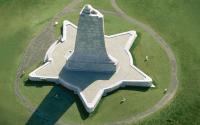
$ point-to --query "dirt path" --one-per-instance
(174, 81)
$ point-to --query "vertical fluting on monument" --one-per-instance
(90, 52)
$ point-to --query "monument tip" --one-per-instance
(89, 10)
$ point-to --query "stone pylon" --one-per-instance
(90, 52)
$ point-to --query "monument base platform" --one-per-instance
(91, 86)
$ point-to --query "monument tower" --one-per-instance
(90, 52)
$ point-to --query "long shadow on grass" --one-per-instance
(54, 105)
(59, 100)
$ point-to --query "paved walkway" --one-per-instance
(174, 81)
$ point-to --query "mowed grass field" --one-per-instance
(178, 22)
(19, 22)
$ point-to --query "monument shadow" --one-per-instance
(82, 79)
(60, 99)
(54, 105)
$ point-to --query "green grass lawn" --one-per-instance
(138, 99)
(178, 22)
(19, 22)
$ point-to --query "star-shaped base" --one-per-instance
(91, 86)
